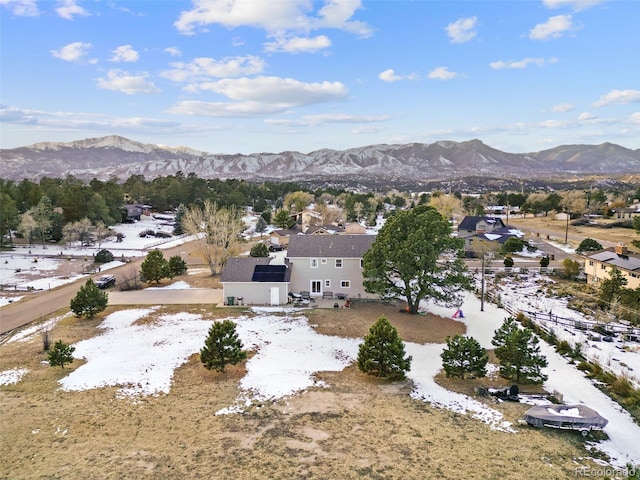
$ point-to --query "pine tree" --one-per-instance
(382, 352)
(259, 250)
(154, 267)
(261, 225)
(519, 353)
(177, 266)
(60, 354)
(464, 355)
(177, 226)
(89, 300)
(222, 346)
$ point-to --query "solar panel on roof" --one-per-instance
(269, 273)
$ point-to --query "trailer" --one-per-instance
(565, 417)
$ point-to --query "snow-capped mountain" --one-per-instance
(121, 157)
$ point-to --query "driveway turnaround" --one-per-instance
(167, 296)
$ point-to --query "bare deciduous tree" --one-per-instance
(218, 231)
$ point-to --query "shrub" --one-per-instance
(104, 256)
(222, 346)
(89, 300)
(60, 354)
(464, 355)
(177, 266)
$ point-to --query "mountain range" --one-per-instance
(121, 157)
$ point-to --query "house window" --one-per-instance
(316, 286)
(327, 284)
(603, 266)
(323, 261)
(591, 263)
(338, 263)
(345, 283)
(361, 263)
(314, 263)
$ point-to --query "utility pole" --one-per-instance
(482, 284)
(566, 230)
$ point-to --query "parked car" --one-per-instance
(106, 281)
(276, 248)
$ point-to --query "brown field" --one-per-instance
(359, 428)
(557, 229)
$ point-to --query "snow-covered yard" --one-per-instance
(288, 355)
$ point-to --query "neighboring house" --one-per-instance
(324, 230)
(307, 218)
(355, 228)
(598, 265)
(627, 212)
(500, 235)
(472, 225)
(135, 211)
(281, 236)
(255, 281)
(328, 264)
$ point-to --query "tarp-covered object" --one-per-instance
(569, 417)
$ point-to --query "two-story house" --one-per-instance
(328, 263)
(598, 265)
(323, 266)
(472, 225)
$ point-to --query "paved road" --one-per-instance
(44, 304)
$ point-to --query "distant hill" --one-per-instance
(118, 156)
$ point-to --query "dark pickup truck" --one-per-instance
(106, 281)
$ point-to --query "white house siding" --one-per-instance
(254, 293)
(303, 275)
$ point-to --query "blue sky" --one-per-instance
(245, 76)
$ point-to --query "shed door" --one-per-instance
(275, 295)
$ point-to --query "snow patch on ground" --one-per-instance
(13, 376)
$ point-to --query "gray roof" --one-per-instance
(242, 269)
(329, 246)
(628, 262)
(470, 222)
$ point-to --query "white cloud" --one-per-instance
(442, 73)
(67, 9)
(277, 90)
(221, 109)
(173, 51)
(273, 17)
(314, 120)
(366, 130)
(120, 81)
(206, 68)
(553, 28)
(635, 118)
(22, 8)
(576, 5)
(563, 107)
(524, 63)
(618, 96)
(462, 30)
(260, 96)
(72, 52)
(586, 116)
(298, 44)
(389, 75)
(124, 53)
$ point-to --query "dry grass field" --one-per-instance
(557, 230)
(358, 428)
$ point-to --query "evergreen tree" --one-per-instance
(588, 245)
(508, 262)
(612, 287)
(177, 266)
(464, 355)
(222, 346)
(261, 225)
(415, 257)
(282, 219)
(519, 353)
(154, 267)
(382, 352)
(259, 250)
(89, 300)
(60, 354)
(177, 226)
(544, 261)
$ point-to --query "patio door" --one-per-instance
(316, 287)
